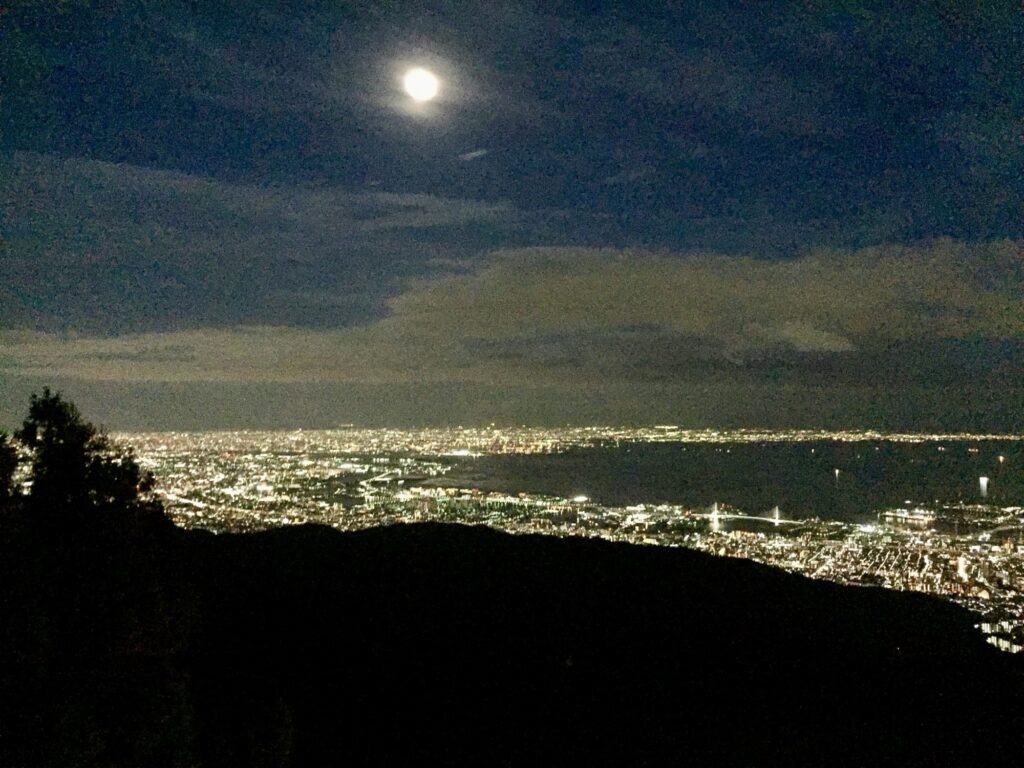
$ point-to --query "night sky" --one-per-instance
(706, 213)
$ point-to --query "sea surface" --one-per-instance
(799, 477)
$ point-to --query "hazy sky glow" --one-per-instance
(713, 213)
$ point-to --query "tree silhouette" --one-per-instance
(74, 465)
(8, 466)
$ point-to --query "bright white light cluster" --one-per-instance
(421, 84)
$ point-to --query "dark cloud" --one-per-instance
(94, 246)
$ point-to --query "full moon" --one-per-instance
(421, 84)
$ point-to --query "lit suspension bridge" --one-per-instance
(716, 516)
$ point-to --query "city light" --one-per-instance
(356, 478)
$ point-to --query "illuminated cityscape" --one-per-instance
(302, 308)
(968, 550)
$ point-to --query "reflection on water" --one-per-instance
(801, 478)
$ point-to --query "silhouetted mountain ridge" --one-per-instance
(453, 645)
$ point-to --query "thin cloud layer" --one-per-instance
(843, 123)
(585, 317)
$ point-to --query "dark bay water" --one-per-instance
(799, 477)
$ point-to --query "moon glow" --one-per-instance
(421, 84)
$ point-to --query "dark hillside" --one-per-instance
(450, 645)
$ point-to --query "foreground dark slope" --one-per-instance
(453, 645)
